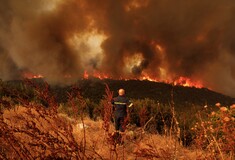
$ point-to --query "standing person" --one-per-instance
(120, 105)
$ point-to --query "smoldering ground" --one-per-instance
(162, 39)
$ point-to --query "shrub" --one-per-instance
(35, 131)
(216, 133)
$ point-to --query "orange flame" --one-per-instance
(85, 75)
(184, 81)
(95, 74)
(29, 75)
(100, 75)
(181, 81)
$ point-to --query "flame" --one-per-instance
(100, 75)
(148, 78)
(95, 74)
(184, 81)
(85, 75)
(181, 81)
(29, 75)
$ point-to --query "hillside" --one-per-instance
(162, 92)
(94, 89)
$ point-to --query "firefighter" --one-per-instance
(120, 106)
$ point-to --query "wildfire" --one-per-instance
(181, 81)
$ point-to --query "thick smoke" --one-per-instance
(194, 39)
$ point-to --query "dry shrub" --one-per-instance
(107, 110)
(33, 131)
(154, 146)
(216, 134)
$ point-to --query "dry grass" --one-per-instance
(33, 132)
(53, 140)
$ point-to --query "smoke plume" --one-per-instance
(162, 39)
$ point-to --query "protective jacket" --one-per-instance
(120, 104)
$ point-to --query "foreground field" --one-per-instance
(33, 132)
(33, 135)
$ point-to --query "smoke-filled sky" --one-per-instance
(162, 39)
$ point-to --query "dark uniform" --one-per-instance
(120, 104)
